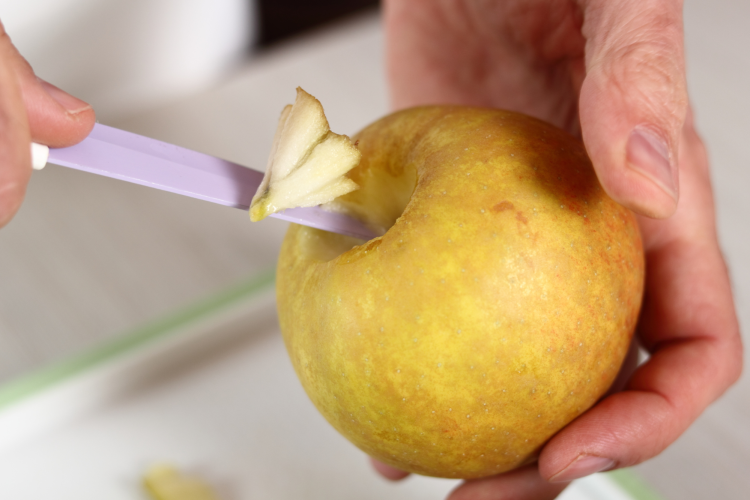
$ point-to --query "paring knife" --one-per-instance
(141, 160)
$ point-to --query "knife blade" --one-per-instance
(142, 160)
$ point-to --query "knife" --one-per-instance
(141, 160)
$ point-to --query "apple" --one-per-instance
(164, 482)
(497, 306)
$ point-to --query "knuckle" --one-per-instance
(643, 59)
(651, 74)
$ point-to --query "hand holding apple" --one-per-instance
(598, 69)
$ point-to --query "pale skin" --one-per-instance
(602, 69)
(611, 72)
(31, 110)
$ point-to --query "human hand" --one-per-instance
(31, 110)
(611, 72)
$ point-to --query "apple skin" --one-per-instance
(498, 307)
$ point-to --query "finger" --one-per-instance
(633, 100)
(55, 117)
(15, 155)
(690, 326)
(520, 484)
(31, 110)
(387, 471)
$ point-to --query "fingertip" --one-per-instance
(56, 118)
(633, 160)
(647, 152)
(632, 189)
(71, 104)
(388, 472)
(624, 429)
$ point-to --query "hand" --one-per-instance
(31, 110)
(612, 72)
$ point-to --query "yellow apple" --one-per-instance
(164, 482)
(496, 307)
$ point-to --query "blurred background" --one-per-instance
(89, 259)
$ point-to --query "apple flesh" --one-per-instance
(163, 482)
(497, 306)
(307, 163)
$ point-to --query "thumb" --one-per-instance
(31, 110)
(634, 100)
(55, 118)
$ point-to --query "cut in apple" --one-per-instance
(308, 163)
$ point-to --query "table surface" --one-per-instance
(89, 258)
(213, 394)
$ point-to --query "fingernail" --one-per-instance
(648, 154)
(72, 104)
(582, 466)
